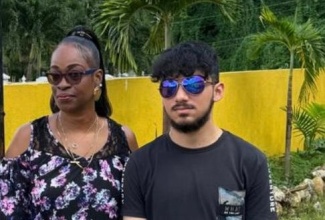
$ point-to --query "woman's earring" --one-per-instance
(97, 92)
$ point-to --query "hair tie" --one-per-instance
(82, 34)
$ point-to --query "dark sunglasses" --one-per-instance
(73, 77)
(192, 85)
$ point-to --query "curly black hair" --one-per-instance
(184, 59)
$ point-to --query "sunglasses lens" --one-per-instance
(74, 77)
(194, 84)
(168, 88)
(54, 78)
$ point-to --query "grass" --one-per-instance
(305, 212)
(302, 163)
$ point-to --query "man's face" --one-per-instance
(188, 112)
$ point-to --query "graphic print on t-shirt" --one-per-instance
(231, 204)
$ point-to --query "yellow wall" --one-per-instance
(251, 107)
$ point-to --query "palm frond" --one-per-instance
(116, 22)
(309, 121)
(304, 40)
(311, 53)
(155, 42)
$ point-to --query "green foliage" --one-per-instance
(318, 144)
(118, 21)
(302, 163)
(32, 28)
(309, 122)
(44, 25)
(304, 42)
(305, 212)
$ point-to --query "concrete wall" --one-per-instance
(251, 107)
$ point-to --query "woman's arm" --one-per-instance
(20, 142)
(130, 136)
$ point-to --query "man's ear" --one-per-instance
(218, 91)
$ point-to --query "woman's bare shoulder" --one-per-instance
(20, 141)
(131, 138)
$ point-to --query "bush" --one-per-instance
(302, 164)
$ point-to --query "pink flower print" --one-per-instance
(7, 205)
(106, 173)
(58, 181)
(4, 169)
(71, 191)
(89, 174)
(80, 215)
(117, 163)
(111, 208)
(89, 190)
(4, 188)
(55, 217)
(104, 165)
(105, 170)
(50, 166)
(39, 187)
(35, 155)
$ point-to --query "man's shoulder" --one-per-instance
(153, 147)
(147, 155)
(240, 144)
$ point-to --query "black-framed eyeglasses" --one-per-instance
(73, 77)
(192, 85)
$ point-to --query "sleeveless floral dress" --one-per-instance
(42, 183)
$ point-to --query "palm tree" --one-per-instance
(117, 20)
(34, 28)
(30, 35)
(303, 41)
(309, 121)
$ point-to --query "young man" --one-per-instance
(197, 171)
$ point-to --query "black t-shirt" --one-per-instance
(226, 180)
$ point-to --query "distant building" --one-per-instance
(41, 79)
(5, 78)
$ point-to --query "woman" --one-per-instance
(68, 165)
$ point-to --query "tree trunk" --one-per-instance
(29, 72)
(289, 119)
(166, 122)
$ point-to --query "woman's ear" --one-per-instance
(98, 75)
(218, 92)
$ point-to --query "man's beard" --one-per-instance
(189, 127)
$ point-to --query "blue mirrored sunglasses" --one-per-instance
(192, 85)
(72, 77)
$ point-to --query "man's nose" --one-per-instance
(181, 94)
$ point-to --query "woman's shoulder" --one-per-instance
(131, 138)
(22, 137)
(20, 141)
(41, 121)
(123, 132)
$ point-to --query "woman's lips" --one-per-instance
(64, 96)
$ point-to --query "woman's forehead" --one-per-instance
(67, 55)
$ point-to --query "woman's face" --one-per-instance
(71, 95)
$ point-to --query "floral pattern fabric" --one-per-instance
(42, 183)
